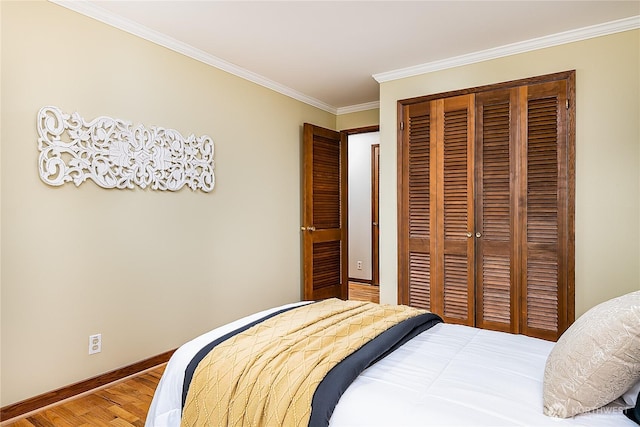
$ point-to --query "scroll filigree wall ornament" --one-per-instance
(114, 154)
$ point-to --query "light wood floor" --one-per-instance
(364, 292)
(123, 404)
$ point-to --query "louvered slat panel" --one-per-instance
(455, 175)
(326, 184)
(420, 280)
(419, 201)
(455, 290)
(542, 293)
(495, 215)
(496, 212)
(326, 264)
(542, 214)
(496, 292)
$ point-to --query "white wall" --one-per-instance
(359, 155)
(607, 155)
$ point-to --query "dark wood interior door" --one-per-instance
(324, 226)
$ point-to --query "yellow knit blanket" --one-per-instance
(267, 375)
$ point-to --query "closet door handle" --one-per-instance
(478, 235)
(469, 234)
(303, 228)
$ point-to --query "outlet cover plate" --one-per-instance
(95, 343)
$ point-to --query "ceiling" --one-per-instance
(327, 53)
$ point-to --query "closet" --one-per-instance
(486, 182)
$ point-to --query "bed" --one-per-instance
(454, 375)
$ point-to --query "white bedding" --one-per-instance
(450, 375)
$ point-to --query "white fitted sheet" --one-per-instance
(450, 375)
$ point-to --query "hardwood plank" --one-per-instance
(121, 423)
(22, 423)
(362, 292)
(122, 413)
(57, 417)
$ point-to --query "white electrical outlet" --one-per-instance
(95, 343)
(359, 265)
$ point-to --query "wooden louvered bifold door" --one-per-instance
(496, 248)
(454, 295)
(415, 221)
(544, 215)
(486, 185)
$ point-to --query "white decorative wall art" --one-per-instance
(115, 154)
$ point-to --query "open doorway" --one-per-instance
(363, 184)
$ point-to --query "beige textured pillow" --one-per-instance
(596, 360)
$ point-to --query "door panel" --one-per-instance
(415, 215)
(455, 215)
(545, 222)
(324, 214)
(496, 248)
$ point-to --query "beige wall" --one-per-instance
(146, 269)
(607, 151)
(358, 119)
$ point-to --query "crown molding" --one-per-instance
(607, 28)
(91, 10)
(359, 107)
